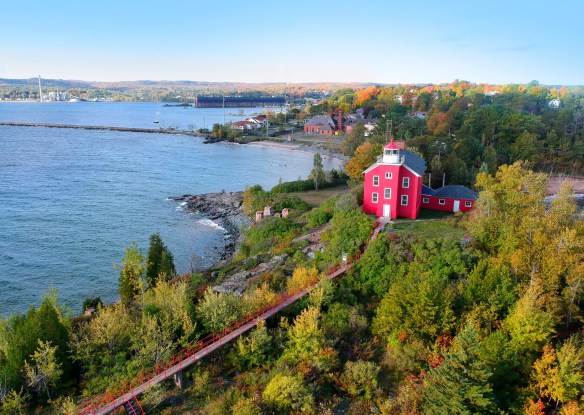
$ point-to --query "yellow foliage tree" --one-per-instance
(302, 278)
(365, 155)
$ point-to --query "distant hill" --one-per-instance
(200, 85)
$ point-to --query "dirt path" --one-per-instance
(554, 183)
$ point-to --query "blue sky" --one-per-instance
(512, 41)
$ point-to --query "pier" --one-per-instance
(104, 128)
(238, 102)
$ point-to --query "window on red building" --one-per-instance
(406, 182)
(425, 200)
(387, 193)
(388, 175)
(468, 204)
(374, 197)
(375, 180)
(404, 200)
(441, 201)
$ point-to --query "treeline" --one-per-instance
(163, 91)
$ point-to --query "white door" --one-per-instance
(456, 207)
(386, 211)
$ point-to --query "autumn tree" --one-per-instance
(558, 375)
(365, 155)
(530, 324)
(301, 279)
(217, 310)
(132, 274)
(287, 393)
(353, 140)
(44, 371)
(360, 378)
(366, 94)
(102, 343)
(254, 349)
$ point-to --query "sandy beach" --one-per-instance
(295, 146)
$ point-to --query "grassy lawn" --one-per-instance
(433, 214)
(431, 229)
(315, 198)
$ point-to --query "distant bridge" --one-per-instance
(125, 395)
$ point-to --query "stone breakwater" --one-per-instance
(223, 208)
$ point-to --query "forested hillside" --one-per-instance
(463, 128)
(487, 324)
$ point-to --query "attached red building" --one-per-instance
(451, 198)
(394, 187)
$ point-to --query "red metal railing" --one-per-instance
(145, 378)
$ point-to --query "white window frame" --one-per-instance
(374, 197)
(425, 200)
(441, 201)
(388, 175)
(385, 196)
(467, 204)
(404, 200)
(375, 181)
(406, 182)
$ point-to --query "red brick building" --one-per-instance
(320, 124)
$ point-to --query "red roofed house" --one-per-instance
(244, 125)
(394, 187)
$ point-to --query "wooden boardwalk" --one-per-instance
(111, 400)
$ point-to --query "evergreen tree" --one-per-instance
(460, 385)
(21, 335)
(160, 261)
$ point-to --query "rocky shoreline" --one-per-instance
(223, 208)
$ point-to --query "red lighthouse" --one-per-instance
(393, 185)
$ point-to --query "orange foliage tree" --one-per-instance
(365, 155)
(364, 95)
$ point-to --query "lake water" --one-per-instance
(71, 201)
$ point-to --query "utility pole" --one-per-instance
(388, 129)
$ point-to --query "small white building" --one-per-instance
(555, 103)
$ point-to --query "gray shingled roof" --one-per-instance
(413, 161)
(427, 191)
(321, 120)
(455, 191)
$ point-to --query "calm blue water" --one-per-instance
(71, 201)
